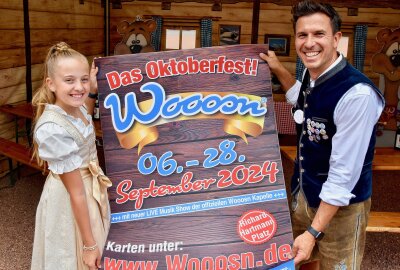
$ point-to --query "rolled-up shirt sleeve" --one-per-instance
(57, 148)
(293, 93)
(355, 117)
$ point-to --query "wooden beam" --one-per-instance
(195, 19)
(336, 3)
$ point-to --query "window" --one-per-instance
(346, 43)
(180, 33)
(173, 39)
(176, 39)
(188, 39)
(343, 45)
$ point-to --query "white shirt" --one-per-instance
(57, 147)
(355, 116)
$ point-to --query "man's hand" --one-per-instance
(272, 60)
(284, 76)
(89, 102)
(93, 80)
(302, 247)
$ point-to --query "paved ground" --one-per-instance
(18, 206)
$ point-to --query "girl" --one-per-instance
(72, 218)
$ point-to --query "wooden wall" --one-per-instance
(274, 19)
(50, 21)
(82, 27)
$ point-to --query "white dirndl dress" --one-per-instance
(67, 144)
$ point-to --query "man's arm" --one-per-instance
(285, 78)
(304, 243)
(89, 102)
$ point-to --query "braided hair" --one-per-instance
(43, 94)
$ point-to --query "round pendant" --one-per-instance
(298, 116)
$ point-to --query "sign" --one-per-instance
(191, 146)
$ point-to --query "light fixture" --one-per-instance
(352, 12)
(217, 6)
(166, 5)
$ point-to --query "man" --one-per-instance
(335, 108)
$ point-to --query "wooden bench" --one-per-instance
(19, 153)
(385, 159)
(384, 222)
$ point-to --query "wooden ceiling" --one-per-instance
(336, 3)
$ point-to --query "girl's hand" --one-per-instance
(93, 80)
(92, 259)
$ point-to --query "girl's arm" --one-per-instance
(89, 102)
(74, 185)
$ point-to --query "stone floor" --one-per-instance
(18, 205)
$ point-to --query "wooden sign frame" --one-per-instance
(191, 147)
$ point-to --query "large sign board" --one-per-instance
(191, 146)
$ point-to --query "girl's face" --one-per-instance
(70, 83)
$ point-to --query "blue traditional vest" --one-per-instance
(315, 134)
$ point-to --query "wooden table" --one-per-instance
(22, 110)
(25, 110)
(22, 153)
(385, 159)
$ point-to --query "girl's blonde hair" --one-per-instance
(43, 94)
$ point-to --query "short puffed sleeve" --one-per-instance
(58, 148)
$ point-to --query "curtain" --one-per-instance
(156, 35)
(206, 32)
(360, 40)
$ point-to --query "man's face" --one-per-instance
(315, 43)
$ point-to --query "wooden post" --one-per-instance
(106, 27)
(28, 60)
(255, 22)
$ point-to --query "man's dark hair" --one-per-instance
(309, 7)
